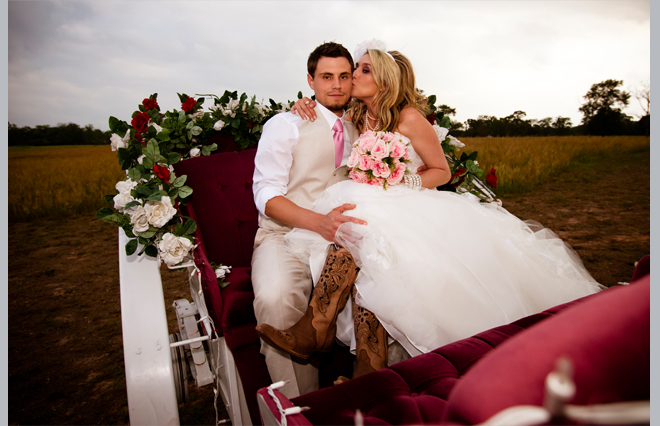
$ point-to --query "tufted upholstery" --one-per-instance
(606, 335)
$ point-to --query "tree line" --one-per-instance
(62, 134)
(602, 111)
(602, 116)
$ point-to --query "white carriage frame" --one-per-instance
(150, 382)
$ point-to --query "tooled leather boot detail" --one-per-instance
(315, 331)
(370, 340)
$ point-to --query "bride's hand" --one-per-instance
(305, 108)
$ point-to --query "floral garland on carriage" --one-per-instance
(146, 203)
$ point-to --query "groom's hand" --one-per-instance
(332, 221)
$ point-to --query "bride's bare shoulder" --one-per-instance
(410, 119)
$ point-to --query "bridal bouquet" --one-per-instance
(379, 159)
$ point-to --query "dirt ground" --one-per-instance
(65, 345)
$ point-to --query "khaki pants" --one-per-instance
(282, 290)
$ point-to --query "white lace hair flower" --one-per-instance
(361, 48)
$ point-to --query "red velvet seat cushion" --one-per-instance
(607, 338)
(413, 391)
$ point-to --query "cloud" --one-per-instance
(84, 61)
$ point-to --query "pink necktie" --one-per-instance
(338, 136)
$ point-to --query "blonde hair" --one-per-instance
(395, 79)
(409, 95)
(387, 77)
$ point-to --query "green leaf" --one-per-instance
(446, 122)
(173, 193)
(164, 135)
(102, 213)
(152, 148)
(206, 150)
(113, 123)
(173, 157)
(151, 251)
(145, 191)
(154, 197)
(148, 234)
(190, 125)
(116, 218)
(235, 123)
(131, 204)
(134, 174)
(182, 116)
(160, 159)
(178, 182)
(131, 246)
(147, 163)
(128, 230)
(300, 95)
(109, 198)
(431, 100)
(196, 130)
(185, 191)
(190, 226)
(213, 147)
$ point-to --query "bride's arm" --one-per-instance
(425, 142)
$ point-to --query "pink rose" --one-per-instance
(397, 149)
(376, 181)
(366, 142)
(388, 137)
(353, 159)
(358, 176)
(380, 150)
(381, 169)
(365, 162)
(397, 175)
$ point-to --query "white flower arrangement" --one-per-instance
(362, 48)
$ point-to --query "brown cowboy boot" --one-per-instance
(316, 330)
(370, 340)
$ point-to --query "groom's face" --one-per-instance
(332, 83)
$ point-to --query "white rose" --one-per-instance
(441, 132)
(197, 115)
(160, 212)
(222, 271)
(121, 200)
(117, 141)
(125, 186)
(173, 249)
(156, 126)
(455, 142)
(140, 158)
(219, 125)
(139, 218)
(194, 152)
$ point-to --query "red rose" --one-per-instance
(162, 172)
(460, 173)
(491, 179)
(188, 105)
(140, 122)
(150, 104)
(138, 137)
(250, 125)
(431, 119)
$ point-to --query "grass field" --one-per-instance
(51, 181)
(521, 163)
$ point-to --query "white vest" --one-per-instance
(313, 167)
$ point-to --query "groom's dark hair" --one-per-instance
(330, 50)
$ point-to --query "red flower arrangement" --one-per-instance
(188, 105)
(150, 104)
(491, 178)
(140, 122)
(162, 172)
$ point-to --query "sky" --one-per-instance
(84, 61)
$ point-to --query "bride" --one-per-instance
(434, 266)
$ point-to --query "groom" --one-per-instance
(295, 161)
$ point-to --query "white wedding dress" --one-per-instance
(436, 266)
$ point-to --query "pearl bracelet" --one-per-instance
(413, 180)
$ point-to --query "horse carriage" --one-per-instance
(592, 353)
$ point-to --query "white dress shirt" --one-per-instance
(275, 154)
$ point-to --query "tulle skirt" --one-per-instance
(436, 267)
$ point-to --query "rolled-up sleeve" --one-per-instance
(274, 157)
